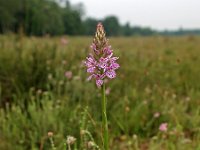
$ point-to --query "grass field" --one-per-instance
(158, 82)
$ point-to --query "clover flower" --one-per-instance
(68, 74)
(100, 63)
(163, 127)
(70, 140)
(156, 115)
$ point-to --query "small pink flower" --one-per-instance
(163, 127)
(63, 41)
(68, 74)
(156, 115)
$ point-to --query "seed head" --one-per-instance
(50, 134)
(91, 144)
(70, 140)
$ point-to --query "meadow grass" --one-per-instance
(158, 75)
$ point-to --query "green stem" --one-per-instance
(104, 120)
(52, 144)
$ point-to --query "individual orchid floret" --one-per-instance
(100, 63)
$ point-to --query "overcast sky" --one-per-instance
(158, 14)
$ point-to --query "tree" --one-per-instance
(90, 26)
(126, 29)
(72, 22)
(39, 17)
(45, 17)
(112, 26)
(8, 10)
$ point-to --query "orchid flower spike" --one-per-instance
(100, 63)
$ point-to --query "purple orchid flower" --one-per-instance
(100, 63)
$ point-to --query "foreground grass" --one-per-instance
(158, 75)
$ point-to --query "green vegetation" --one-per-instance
(39, 17)
(158, 82)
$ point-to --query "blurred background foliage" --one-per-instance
(55, 17)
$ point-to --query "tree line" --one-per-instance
(41, 17)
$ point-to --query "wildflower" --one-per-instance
(68, 74)
(50, 134)
(82, 132)
(50, 76)
(91, 144)
(187, 99)
(70, 140)
(39, 91)
(127, 109)
(174, 96)
(135, 136)
(156, 115)
(100, 63)
(63, 41)
(163, 127)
